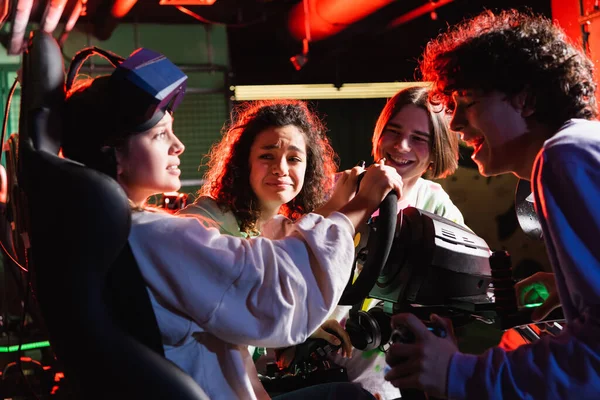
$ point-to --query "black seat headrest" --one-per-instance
(77, 220)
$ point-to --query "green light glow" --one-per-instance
(26, 346)
(532, 305)
(534, 295)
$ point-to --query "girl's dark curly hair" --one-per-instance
(228, 176)
(509, 52)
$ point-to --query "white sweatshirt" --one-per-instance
(214, 294)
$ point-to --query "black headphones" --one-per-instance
(105, 160)
(80, 57)
(370, 329)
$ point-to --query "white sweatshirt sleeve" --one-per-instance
(246, 291)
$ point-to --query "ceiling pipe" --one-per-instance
(22, 13)
(329, 17)
(4, 8)
(52, 14)
(74, 15)
(428, 8)
(120, 8)
(108, 15)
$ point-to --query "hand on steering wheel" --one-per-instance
(380, 185)
(378, 180)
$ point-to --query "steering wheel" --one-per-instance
(379, 244)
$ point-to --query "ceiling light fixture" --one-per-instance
(320, 91)
(187, 2)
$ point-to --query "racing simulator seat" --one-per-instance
(74, 223)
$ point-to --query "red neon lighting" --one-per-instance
(77, 11)
(328, 17)
(54, 10)
(121, 7)
(4, 10)
(428, 8)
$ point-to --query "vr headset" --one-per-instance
(143, 87)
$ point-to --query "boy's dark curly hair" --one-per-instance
(508, 52)
(228, 176)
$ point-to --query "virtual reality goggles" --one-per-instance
(143, 87)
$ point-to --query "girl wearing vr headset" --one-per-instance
(212, 294)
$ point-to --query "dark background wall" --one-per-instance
(363, 52)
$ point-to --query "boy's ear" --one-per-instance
(525, 102)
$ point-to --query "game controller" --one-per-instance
(310, 366)
(402, 334)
